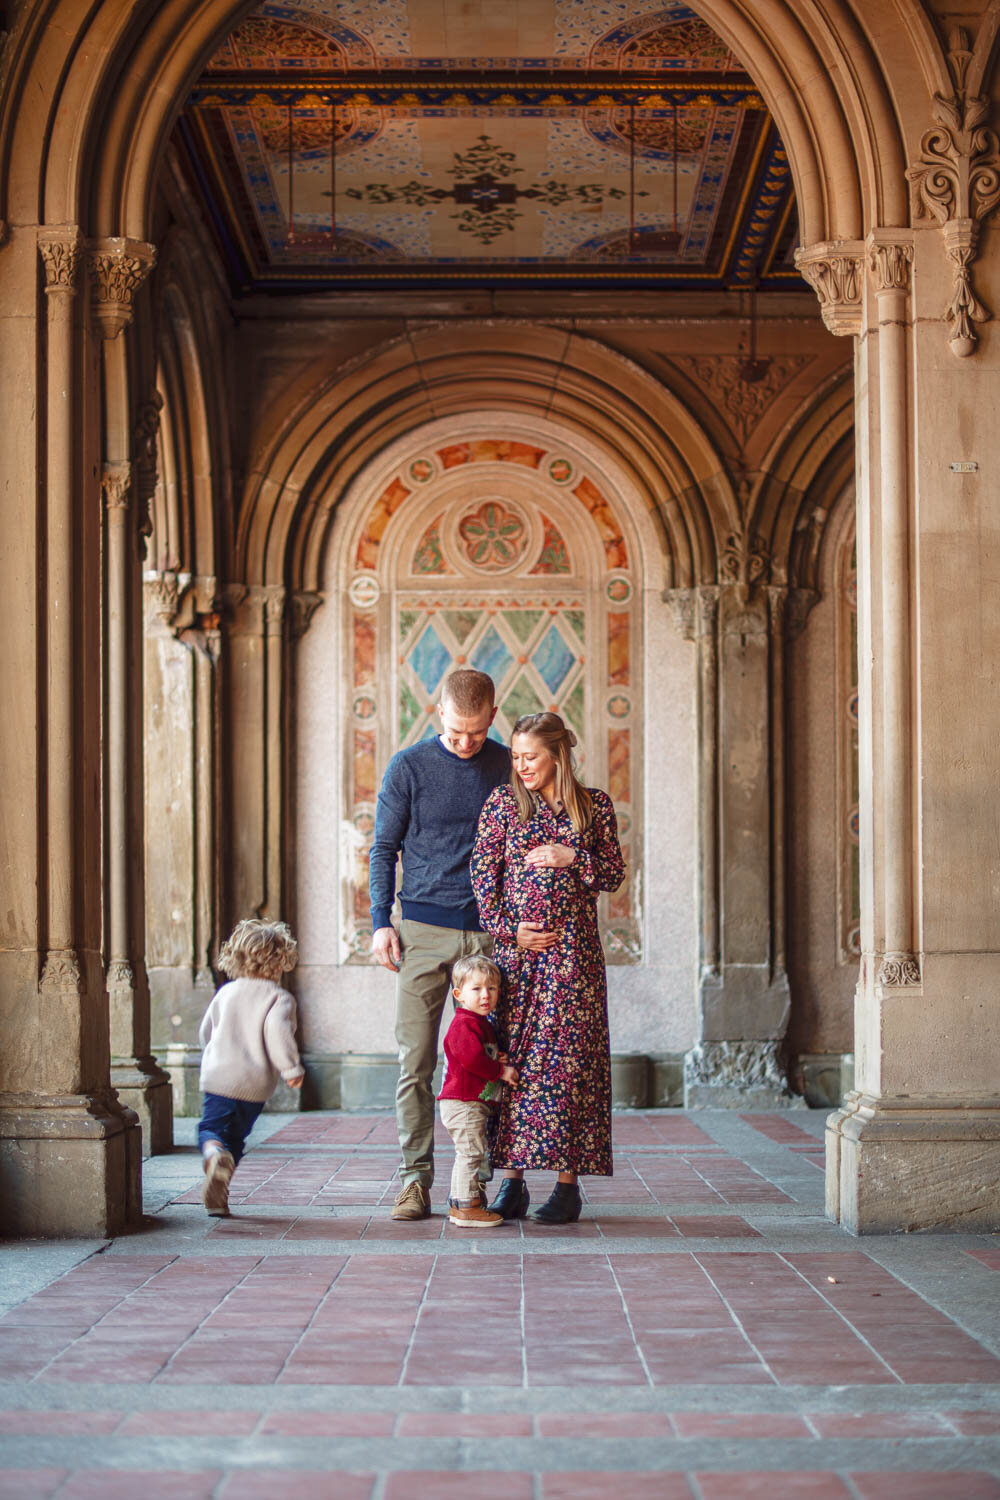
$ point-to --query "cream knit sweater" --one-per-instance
(248, 1036)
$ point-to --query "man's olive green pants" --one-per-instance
(421, 991)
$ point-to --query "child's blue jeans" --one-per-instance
(227, 1120)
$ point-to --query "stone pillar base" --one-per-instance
(70, 1165)
(143, 1087)
(183, 1066)
(900, 1164)
(737, 1075)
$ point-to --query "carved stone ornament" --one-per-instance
(116, 481)
(956, 180)
(890, 261)
(120, 976)
(305, 603)
(898, 969)
(745, 402)
(59, 247)
(162, 591)
(745, 560)
(683, 606)
(736, 1064)
(272, 602)
(60, 973)
(118, 267)
(835, 271)
(144, 462)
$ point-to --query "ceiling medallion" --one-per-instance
(494, 537)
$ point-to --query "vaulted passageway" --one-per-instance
(261, 403)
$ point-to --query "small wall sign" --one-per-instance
(969, 467)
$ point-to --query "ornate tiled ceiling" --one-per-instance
(408, 140)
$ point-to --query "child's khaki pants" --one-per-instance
(465, 1121)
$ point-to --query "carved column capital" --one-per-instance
(144, 436)
(833, 268)
(116, 482)
(889, 258)
(683, 606)
(118, 267)
(60, 246)
(162, 594)
(896, 970)
(61, 973)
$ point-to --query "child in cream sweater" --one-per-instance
(248, 1037)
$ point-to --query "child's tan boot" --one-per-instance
(472, 1215)
(219, 1169)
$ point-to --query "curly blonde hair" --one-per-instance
(259, 950)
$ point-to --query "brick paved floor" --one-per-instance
(702, 1333)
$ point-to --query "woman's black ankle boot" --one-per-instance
(562, 1206)
(512, 1200)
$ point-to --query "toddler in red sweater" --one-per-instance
(475, 1069)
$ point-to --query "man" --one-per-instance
(428, 810)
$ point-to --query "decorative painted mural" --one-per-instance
(504, 556)
(336, 141)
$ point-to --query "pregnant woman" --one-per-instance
(546, 848)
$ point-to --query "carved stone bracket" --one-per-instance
(834, 269)
(118, 267)
(304, 604)
(956, 180)
(59, 246)
(116, 482)
(144, 458)
(162, 592)
(898, 969)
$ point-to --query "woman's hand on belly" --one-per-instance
(550, 857)
(535, 937)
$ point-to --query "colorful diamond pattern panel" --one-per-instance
(534, 655)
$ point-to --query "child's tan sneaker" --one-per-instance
(473, 1216)
(219, 1169)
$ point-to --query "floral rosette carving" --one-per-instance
(494, 537)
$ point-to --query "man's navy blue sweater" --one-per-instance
(428, 810)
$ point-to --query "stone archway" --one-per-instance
(852, 101)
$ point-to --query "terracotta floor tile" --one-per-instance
(264, 1484)
(711, 1424)
(602, 1486)
(59, 1423)
(800, 1485)
(622, 1424)
(974, 1423)
(876, 1424)
(955, 1484)
(449, 1424)
(127, 1484)
(440, 1485)
(30, 1484)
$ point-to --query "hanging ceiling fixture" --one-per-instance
(323, 239)
(753, 369)
(658, 242)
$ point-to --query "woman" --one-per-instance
(545, 849)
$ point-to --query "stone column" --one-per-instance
(743, 997)
(69, 1152)
(275, 736)
(917, 1143)
(118, 267)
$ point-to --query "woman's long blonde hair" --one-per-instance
(559, 742)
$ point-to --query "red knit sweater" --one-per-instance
(470, 1067)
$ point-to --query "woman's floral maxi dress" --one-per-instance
(553, 1011)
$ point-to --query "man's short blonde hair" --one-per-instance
(259, 950)
(468, 691)
(474, 963)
